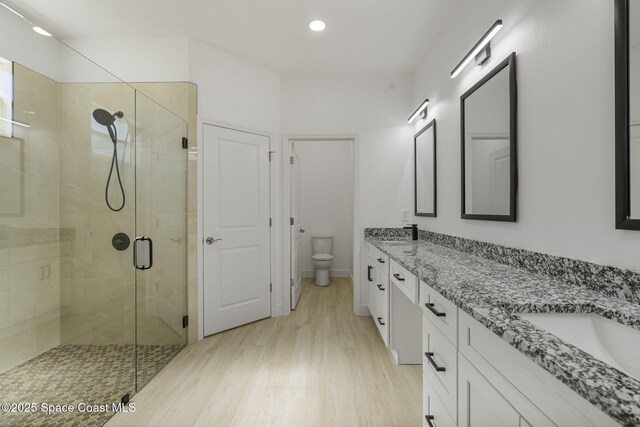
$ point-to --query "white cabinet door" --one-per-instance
(370, 280)
(481, 405)
(236, 228)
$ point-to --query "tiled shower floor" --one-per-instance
(73, 374)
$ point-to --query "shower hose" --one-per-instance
(114, 164)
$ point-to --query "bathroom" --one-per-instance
(160, 273)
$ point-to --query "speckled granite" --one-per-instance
(611, 281)
(493, 293)
(387, 233)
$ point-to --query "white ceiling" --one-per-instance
(362, 36)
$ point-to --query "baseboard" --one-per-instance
(279, 310)
(364, 310)
(332, 273)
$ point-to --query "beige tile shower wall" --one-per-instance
(97, 282)
(181, 99)
(29, 242)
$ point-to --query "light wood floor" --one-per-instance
(320, 366)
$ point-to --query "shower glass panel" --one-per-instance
(87, 163)
(161, 207)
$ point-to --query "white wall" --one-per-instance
(141, 59)
(566, 129)
(326, 200)
(374, 108)
(236, 93)
(231, 92)
(26, 47)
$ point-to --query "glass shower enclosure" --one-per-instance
(92, 233)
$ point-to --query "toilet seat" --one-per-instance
(322, 257)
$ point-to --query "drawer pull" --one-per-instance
(429, 418)
(380, 321)
(397, 276)
(432, 308)
(380, 287)
(369, 268)
(433, 363)
(380, 260)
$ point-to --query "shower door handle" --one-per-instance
(143, 253)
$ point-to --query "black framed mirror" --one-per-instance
(627, 116)
(489, 145)
(424, 143)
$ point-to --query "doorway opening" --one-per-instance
(322, 211)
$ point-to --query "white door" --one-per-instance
(236, 228)
(500, 177)
(296, 229)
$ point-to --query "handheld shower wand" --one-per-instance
(107, 119)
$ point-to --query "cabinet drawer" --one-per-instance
(404, 280)
(435, 413)
(382, 294)
(442, 312)
(379, 258)
(372, 299)
(440, 366)
(382, 322)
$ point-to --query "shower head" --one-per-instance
(105, 118)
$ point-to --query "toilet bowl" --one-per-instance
(321, 248)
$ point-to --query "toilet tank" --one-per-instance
(321, 244)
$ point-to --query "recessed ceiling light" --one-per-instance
(41, 31)
(317, 25)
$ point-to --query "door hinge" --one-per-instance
(270, 154)
(270, 287)
(291, 221)
(270, 222)
(291, 282)
(185, 143)
(291, 160)
(185, 321)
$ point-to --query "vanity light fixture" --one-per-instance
(481, 51)
(317, 25)
(421, 111)
(15, 122)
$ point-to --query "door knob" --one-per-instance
(210, 240)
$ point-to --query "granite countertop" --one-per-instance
(494, 293)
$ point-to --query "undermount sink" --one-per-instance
(606, 340)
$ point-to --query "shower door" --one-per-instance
(161, 257)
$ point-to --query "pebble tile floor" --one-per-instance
(73, 374)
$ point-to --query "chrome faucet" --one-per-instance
(414, 231)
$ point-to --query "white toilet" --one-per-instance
(321, 248)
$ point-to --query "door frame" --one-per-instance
(286, 209)
(202, 121)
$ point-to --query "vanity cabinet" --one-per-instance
(481, 404)
(472, 378)
(378, 289)
(538, 397)
(457, 392)
(405, 333)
